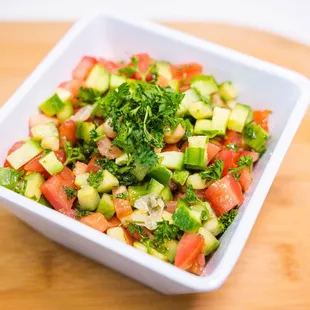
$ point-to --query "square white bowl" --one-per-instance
(262, 85)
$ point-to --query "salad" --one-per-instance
(155, 155)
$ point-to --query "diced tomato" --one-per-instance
(245, 179)
(144, 63)
(224, 194)
(171, 206)
(228, 157)
(67, 175)
(162, 81)
(261, 118)
(171, 148)
(54, 193)
(41, 119)
(184, 146)
(108, 150)
(14, 147)
(128, 237)
(184, 87)
(61, 155)
(72, 86)
(189, 247)
(233, 137)
(114, 222)
(185, 72)
(122, 206)
(79, 168)
(67, 133)
(212, 150)
(254, 155)
(111, 66)
(200, 193)
(71, 213)
(92, 166)
(35, 166)
(95, 220)
(83, 68)
(198, 265)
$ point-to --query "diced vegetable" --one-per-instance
(96, 221)
(255, 137)
(106, 206)
(51, 163)
(98, 79)
(210, 242)
(204, 85)
(52, 105)
(160, 173)
(172, 160)
(220, 120)
(108, 182)
(33, 184)
(88, 198)
(180, 176)
(238, 116)
(228, 91)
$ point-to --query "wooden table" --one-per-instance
(274, 269)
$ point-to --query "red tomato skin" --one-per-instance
(53, 192)
(114, 222)
(198, 265)
(144, 62)
(224, 194)
(92, 166)
(162, 81)
(95, 220)
(245, 179)
(110, 66)
(189, 247)
(261, 118)
(67, 133)
(171, 206)
(185, 72)
(41, 119)
(67, 175)
(13, 148)
(79, 168)
(83, 68)
(122, 206)
(233, 137)
(228, 157)
(212, 150)
(61, 155)
(72, 86)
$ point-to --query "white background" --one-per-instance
(290, 18)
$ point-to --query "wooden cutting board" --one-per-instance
(274, 269)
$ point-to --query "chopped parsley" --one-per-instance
(73, 154)
(246, 161)
(95, 178)
(190, 195)
(227, 218)
(232, 146)
(214, 171)
(88, 95)
(122, 195)
(165, 231)
(134, 228)
(70, 192)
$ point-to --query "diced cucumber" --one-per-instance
(204, 127)
(250, 117)
(210, 242)
(109, 181)
(171, 246)
(200, 110)
(43, 131)
(238, 116)
(140, 246)
(117, 233)
(172, 160)
(34, 182)
(198, 141)
(231, 104)
(100, 130)
(65, 112)
(25, 153)
(51, 163)
(83, 129)
(228, 91)
(196, 181)
(139, 217)
(88, 198)
(135, 192)
(213, 226)
(174, 84)
(106, 206)
(156, 254)
(116, 80)
(255, 137)
(166, 194)
(81, 180)
(160, 173)
(189, 129)
(180, 176)
(63, 94)
(9, 178)
(185, 218)
(139, 171)
(220, 119)
(155, 187)
(195, 158)
(50, 143)
(190, 97)
(52, 105)
(122, 160)
(167, 216)
(163, 68)
(98, 79)
(204, 85)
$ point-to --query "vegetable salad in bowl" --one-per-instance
(153, 154)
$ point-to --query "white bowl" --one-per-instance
(262, 85)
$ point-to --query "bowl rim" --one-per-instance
(233, 250)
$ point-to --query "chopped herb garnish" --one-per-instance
(70, 192)
(214, 171)
(227, 218)
(88, 94)
(165, 231)
(122, 195)
(95, 178)
(232, 146)
(73, 154)
(190, 195)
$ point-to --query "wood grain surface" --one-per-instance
(274, 269)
